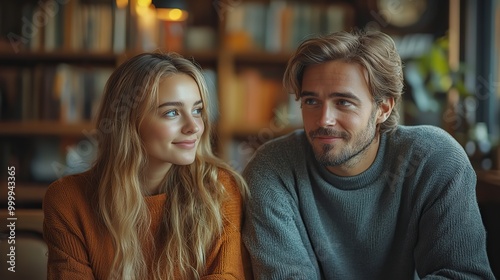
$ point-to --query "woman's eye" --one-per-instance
(171, 113)
(197, 111)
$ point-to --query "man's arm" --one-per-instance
(452, 238)
(272, 227)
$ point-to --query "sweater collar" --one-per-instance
(156, 203)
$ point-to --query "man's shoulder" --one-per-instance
(428, 136)
(280, 152)
(426, 141)
(420, 130)
(293, 139)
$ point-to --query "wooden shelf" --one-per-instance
(85, 56)
(202, 57)
(33, 57)
(28, 195)
(44, 128)
(261, 57)
(488, 186)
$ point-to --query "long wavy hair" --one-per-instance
(375, 51)
(192, 215)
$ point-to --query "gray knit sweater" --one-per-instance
(413, 212)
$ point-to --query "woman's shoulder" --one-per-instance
(69, 189)
(232, 207)
(69, 209)
(229, 182)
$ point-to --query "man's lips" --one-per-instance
(327, 139)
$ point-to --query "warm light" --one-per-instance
(171, 14)
(175, 14)
(121, 3)
(143, 3)
(143, 8)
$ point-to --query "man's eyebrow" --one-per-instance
(178, 103)
(348, 95)
(307, 93)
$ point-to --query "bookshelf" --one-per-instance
(45, 126)
(258, 38)
(33, 128)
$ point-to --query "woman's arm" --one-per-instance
(229, 258)
(67, 255)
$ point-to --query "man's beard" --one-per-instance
(346, 156)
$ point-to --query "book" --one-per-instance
(171, 34)
(10, 82)
(213, 100)
(119, 29)
(279, 26)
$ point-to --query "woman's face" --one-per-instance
(172, 132)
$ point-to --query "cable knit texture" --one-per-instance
(81, 248)
(413, 212)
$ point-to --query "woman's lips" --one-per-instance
(188, 144)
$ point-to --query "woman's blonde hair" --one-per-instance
(192, 215)
(375, 51)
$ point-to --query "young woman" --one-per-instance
(157, 203)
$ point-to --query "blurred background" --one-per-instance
(56, 55)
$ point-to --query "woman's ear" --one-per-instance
(385, 109)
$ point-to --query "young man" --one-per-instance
(354, 195)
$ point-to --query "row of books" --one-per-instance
(259, 101)
(64, 92)
(60, 92)
(278, 26)
(102, 26)
(86, 25)
(77, 25)
(251, 100)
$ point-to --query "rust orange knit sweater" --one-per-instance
(80, 247)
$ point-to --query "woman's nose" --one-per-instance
(191, 126)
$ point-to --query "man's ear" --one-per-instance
(385, 109)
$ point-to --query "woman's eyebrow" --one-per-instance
(178, 103)
(172, 103)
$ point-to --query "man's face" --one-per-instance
(340, 116)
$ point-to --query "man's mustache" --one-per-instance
(328, 132)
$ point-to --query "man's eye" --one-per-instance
(309, 101)
(343, 102)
